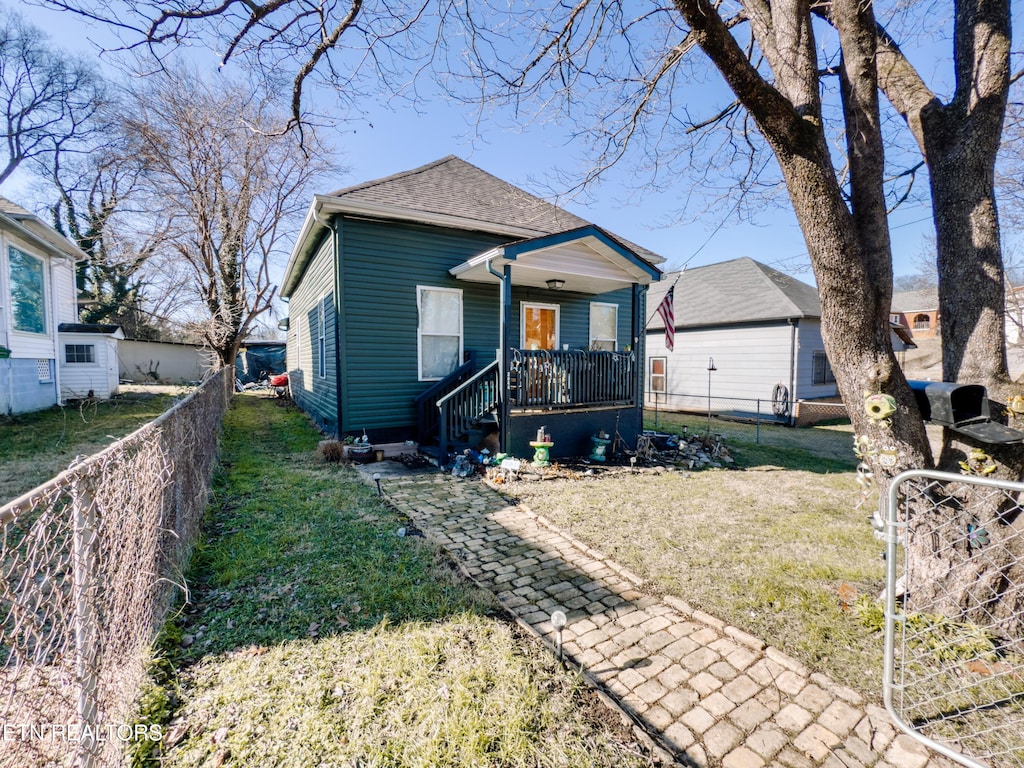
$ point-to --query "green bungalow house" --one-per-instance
(442, 303)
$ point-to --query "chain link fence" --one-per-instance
(821, 427)
(89, 565)
(954, 614)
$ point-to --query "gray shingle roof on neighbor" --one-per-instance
(924, 300)
(737, 291)
(101, 328)
(34, 228)
(453, 187)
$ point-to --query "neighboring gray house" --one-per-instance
(443, 303)
(37, 294)
(761, 327)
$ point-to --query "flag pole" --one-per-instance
(670, 288)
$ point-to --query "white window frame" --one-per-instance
(524, 305)
(614, 339)
(90, 351)
(664, 375)
(321, 345)
(420, 290)
(44, 278)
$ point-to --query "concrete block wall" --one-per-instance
(23, 392)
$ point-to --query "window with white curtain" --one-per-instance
(604, 324)
(439, 333)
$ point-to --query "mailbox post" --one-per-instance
(963, 408)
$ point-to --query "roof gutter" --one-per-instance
(73, 252)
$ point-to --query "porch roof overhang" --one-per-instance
(588, 259)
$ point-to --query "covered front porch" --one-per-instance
(536, 380)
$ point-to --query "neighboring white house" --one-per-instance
(37, 294)
(88, 361)
(757, 329)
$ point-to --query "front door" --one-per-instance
(540, 326)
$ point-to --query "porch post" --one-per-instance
(503, 334)
(639, 351)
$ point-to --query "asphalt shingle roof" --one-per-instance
(924, 300)
(12, 209)
(737, 291)
(30, 224)
(453, 187)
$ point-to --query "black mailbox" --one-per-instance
(963, 408)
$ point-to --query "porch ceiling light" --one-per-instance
(555, 284)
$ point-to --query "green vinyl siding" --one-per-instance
(313, 393)
(382, 265)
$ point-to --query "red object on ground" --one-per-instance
(281, 380)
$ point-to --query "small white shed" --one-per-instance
(88, 360)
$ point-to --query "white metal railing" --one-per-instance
(954, 609)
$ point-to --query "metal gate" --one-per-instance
(954, 650)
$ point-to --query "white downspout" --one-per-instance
(793, 367)
(502, 353)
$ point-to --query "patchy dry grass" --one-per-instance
(826, 448)
(317, 636)
(37, 446)
(766, 549)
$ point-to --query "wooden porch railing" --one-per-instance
(569, 379)
(426, 401)
(465, 407)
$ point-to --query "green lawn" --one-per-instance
(777, 547)
(315, 635)
(37, 446)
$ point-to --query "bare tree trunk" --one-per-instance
(971, 290)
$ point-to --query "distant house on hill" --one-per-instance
(442, 304)
(918, 311)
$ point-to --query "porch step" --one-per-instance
(434, 451)
(489, 419)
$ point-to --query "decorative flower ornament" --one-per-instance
(977, 537)
(863, 446)
(879, 406)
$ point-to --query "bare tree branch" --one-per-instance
(47, 98)
(236, 192)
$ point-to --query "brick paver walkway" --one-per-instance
(706, 693)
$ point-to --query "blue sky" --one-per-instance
(398, 138)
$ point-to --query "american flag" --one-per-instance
(668, 315)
